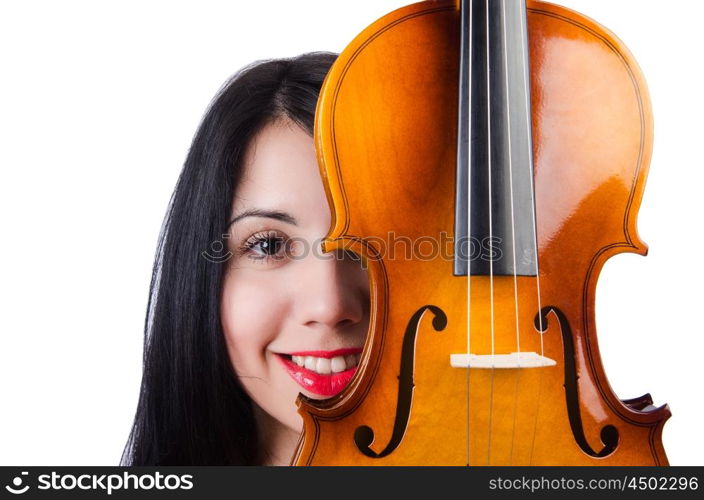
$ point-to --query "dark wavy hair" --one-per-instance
(192, 410)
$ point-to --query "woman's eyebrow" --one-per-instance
(272, 214)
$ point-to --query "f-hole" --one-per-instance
(609, 434)
(364, 435)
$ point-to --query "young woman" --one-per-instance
(245, 312)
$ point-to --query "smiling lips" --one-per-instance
(324, 373)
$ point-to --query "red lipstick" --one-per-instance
(327, 354)
(326, 385)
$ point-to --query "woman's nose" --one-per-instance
(334, 291)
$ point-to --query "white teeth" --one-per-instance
(338, 364)
(325, 366)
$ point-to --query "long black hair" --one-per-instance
(192, 409)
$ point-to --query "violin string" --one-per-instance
(510, 176)
(469, 203)
(491, 229)
(532, 185)
(526, 85)
(513, 219)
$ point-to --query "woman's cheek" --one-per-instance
(250, 320)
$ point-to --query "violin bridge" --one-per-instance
(513, 360)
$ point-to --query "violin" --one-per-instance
(509, 142)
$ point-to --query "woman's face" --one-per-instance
(294, 319)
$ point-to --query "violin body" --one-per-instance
(386, 136)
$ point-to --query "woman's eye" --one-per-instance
(268, 245)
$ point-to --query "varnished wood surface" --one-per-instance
(385, 133)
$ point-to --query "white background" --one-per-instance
(98, 104)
